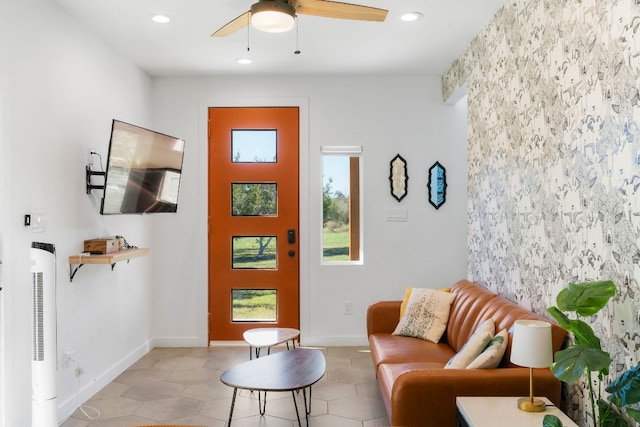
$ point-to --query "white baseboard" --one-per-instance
(324, 341)
(70, 405)
(179, 342)
(307, 341)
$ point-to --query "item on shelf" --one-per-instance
(102, 246)
(124, 244)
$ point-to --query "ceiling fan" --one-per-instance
(277, 16)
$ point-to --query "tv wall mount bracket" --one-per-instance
(89, 174)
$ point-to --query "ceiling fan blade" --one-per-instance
(232, 26)
(334, 9)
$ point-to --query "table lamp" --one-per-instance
(531, 348)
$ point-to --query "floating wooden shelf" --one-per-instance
(111, 258)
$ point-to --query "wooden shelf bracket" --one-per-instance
(111, 258)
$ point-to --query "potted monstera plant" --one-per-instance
(585, 357)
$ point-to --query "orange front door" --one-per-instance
(253, 220)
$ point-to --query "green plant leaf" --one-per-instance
(573, 361)
(581, 331)
(584, 334)
(586, 298)
(610, 415)
(626, 388)
(551, 421)
(634, 414)
(560, 317)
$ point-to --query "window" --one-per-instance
(254, 305)
(254, 146)
(341, 199)
(254, 253)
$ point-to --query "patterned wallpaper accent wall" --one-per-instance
(554, 159)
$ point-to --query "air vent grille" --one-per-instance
(38, 317)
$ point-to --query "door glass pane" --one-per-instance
(255, 252)
(254, 199)
(340, 208)
(254, 305)
(254, 146)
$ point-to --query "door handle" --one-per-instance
(291, 236)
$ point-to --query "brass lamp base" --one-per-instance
(531, 404)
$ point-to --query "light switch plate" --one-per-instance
(400, 215)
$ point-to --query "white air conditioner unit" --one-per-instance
(44, 412)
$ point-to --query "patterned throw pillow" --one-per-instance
(474, 346)
(426, 315)
(492, 355)
(407, 295)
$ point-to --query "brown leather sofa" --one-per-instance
(418, 391)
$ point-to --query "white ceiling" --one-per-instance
(184, 47)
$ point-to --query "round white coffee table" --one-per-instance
(260, 338)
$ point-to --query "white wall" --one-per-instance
(3, 209)
(386, 115)
(60, 87)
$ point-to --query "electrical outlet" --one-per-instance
(67, 356)
(38, 222)
(348, 308)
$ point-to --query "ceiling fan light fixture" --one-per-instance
(160, 19)
(273, 16)
(411, 16)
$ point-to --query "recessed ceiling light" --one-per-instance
(160, 19)
(245, 61)
(411, 16)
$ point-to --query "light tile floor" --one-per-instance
(182, 386)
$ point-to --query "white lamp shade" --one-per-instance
(531, 344)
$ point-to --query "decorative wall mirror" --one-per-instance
(398, 177)
(437, 185)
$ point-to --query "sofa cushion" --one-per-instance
(474, 304)
(492, 355)
(468, 311)
(474, 346)
(426, 315)
(387, 348)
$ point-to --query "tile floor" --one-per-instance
(182, 386)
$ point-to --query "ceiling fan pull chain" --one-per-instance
(297, 51)
(248, 38)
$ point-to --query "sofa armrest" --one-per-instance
(383, 317)
(428, 397)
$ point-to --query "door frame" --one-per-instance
(304, 202)
(5, 317)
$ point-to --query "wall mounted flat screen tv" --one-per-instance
(143, 171)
